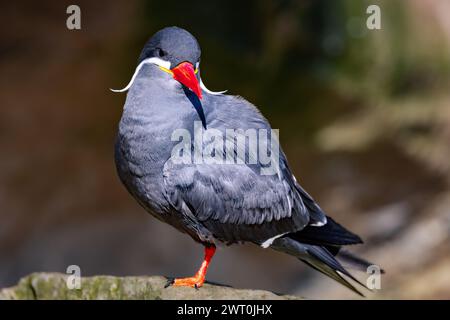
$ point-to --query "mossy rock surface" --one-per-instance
(45, 286)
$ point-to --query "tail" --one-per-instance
(352, 261)
(320, 248)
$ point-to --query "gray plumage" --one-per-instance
(212, 203)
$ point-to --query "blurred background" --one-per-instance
(364, 117)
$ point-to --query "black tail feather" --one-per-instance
(330, 234)
(323, 261)
(335, 276)
(317, 257)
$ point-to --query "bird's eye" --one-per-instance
(160, 52)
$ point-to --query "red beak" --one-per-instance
(184, 73)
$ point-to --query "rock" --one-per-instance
(47, 286)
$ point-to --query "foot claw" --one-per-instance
(170, 281)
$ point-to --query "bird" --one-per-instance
(216, 203)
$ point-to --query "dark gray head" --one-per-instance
(172, 44)
(177, 52)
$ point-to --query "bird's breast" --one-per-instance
(144, 144)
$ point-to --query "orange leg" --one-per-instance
(199, 278)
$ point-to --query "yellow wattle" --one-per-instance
(170, 71)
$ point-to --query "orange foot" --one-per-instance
(199, 278)
(193, 282)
